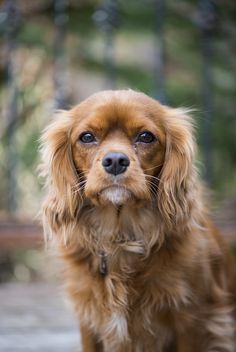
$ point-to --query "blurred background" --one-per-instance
(55, 53)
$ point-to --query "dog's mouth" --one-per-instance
(129, 190)
(115, 194)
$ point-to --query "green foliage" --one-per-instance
(33, 34)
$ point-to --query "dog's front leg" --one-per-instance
(215, 331)
(89, 341)
(111, 345)
(220, 330)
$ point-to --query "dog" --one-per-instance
(145, 267)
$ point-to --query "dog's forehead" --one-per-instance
(124, 116)
(120, 111)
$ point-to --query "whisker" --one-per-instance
(152, 192)
(80, 183)
(78, 189)
(151, 168)
(154, 177)
(153, 187)
(79, 194)
(82, 173)
(150, 183)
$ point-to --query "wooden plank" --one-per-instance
(25, 235)
(17, 234)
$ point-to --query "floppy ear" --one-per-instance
(60, 172)
(177, 178)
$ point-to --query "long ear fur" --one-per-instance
(58, 168)
(177, 178)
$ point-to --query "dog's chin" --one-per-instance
(115, 195)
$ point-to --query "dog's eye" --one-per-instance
(145, 137)
(87, 137)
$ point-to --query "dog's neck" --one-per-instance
(112, 231)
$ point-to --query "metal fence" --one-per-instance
(108, 18)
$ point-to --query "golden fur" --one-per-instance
(145, 268)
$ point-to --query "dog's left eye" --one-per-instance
(87, 137)
(145, 137)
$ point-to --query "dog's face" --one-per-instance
(120, 147)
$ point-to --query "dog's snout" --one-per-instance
(115, 163)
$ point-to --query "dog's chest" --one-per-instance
(124, 300)
(118, 290)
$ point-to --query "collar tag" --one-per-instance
(103, 264)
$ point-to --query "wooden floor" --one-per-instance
(34, 317)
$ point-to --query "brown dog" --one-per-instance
(145, 268)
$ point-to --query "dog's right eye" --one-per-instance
(87, 137)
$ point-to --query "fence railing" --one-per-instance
(108, 17)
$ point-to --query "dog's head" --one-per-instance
(120, 147)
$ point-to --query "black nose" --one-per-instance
(115, 163)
